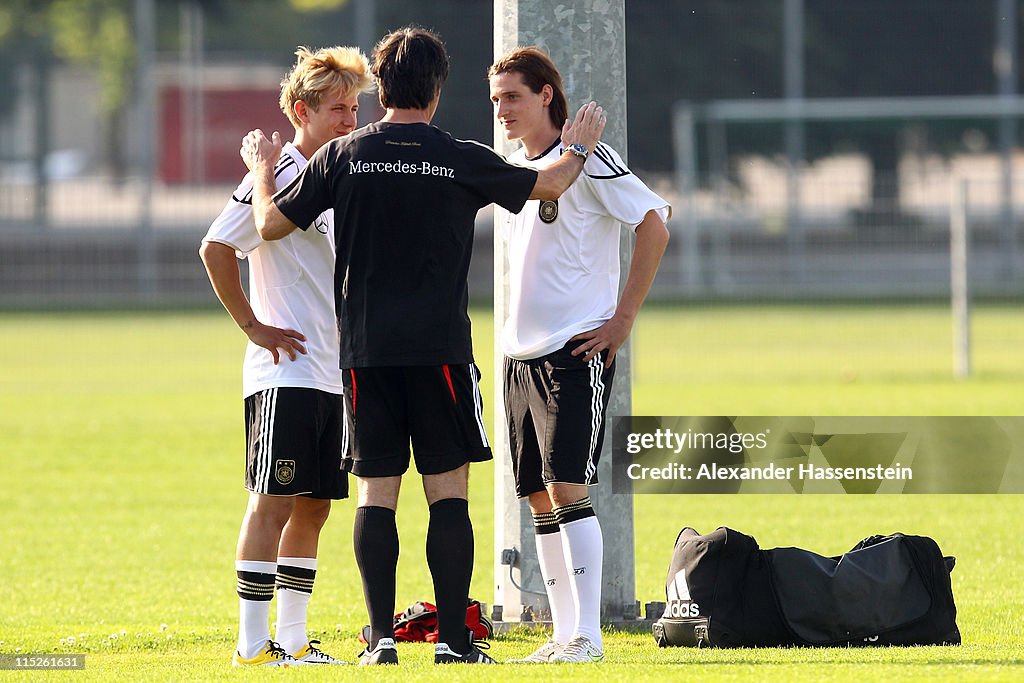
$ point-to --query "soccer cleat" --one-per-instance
(541, 655)
(383, 653)
(445, 655)
(272, 655)
(311, 654)
(579, 649)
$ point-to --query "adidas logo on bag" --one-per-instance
(680, 604)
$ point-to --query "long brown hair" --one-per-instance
(536, 69)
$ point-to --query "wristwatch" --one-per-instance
(577, 149)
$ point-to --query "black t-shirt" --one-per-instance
(405, 198)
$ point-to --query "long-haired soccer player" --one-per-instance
(564, 328)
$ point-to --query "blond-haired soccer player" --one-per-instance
(564, 327)
(291, 383)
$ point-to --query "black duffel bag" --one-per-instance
(724, 591)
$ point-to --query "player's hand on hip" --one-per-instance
(257, 148)
(586, 128)
(609, 336)
(276, 340)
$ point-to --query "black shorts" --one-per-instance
(555, 409)
(438, 408)
(293, 443)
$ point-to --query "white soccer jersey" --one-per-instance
(564, 255)
(291, 285)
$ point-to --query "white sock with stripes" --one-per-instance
(255, 580)
(294, 589)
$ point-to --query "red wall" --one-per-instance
(228, 115)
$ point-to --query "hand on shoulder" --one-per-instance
(257, 147)
(586, 128)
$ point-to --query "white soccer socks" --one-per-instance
(295, 577)
(556, 578)
(255, 587)
(256, 579)
(583, 549)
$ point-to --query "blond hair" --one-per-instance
(318, 73)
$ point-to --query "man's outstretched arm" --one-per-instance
(260, 154)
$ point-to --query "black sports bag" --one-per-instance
(724, 591)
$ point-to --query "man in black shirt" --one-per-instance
(405, 196)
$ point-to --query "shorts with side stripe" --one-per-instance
(437, 408)
(555, 410)
(293, 442)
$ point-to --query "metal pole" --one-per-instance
(366, 24)
(1005, 63)
(41, 129)
(959, 253)
(793, 83)
(186, 93)
(145, 36)
(365, 21)
(192, 102)
(198, 130)
(718, 160)
(684, 139)
(586, 39)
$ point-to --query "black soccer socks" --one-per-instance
(450, 558)
(375, 540)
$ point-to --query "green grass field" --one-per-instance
(121, 438)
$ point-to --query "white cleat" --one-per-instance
(580, 649)
(542, 655)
